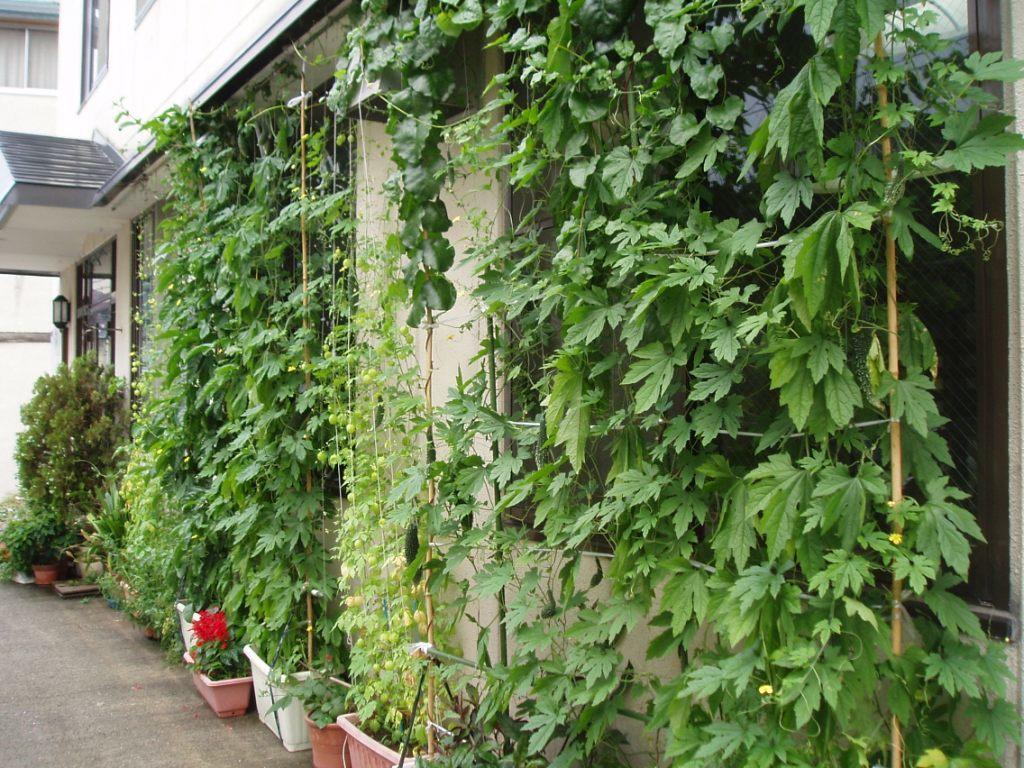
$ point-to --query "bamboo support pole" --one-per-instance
(428, 400)
(895, 434)
(304, 238)
(495, 451)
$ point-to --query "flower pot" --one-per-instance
(24, 578)
(364, 751)
(228, 698)
(45, 574)
(288, 723)
(149, 632)
(328, 744)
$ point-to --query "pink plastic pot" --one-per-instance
(228, 698)
(328, 744)
(364, 751)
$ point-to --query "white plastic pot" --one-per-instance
(185, 625)
(24, 578)
(292, 732)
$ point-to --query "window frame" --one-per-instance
(85, 307)
(27, 29)
(90, 83)
(141, 12)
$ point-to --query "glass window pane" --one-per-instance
(97, 46)
(42, 59)
(12, 58)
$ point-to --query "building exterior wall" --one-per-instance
(176, 47)
(28, 110)
(24, 309)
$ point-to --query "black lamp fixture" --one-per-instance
(61, 312)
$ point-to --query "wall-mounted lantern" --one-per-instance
(61, 319)
(61, 312)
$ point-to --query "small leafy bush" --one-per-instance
(74, 425)
(36, 538)
(323, 700)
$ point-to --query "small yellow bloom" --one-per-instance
(292, 368)
(896, 538)
(765, 690)
(309, 628)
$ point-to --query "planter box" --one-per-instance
(364, 751)
(328, 744)
(228, 698)
(287, 724)
(185, 625)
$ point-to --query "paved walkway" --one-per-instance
(81, 686)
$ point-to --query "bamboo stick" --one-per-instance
(895, 433)
(428, 399)
(304, 238)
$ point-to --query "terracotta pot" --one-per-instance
(149, 632)
(364, 751)
(228, 698)
(328, 744)
(45, 574)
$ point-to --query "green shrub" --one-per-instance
(74, 425)
(34, 538)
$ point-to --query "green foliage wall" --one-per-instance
(690, 311)
(235, 434)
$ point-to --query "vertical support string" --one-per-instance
(893, 350)
(304, 238)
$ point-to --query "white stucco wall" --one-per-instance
(24, 307)
(175, 49)
(28, 110)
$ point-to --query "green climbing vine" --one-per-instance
(236, 414)
(691, 309)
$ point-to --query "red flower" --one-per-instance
(211, 627)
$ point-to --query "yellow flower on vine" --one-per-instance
(765, 690)
(896, 538)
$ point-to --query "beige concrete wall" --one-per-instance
(28, 110)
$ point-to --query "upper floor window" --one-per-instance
(28, 57)
(96, 44)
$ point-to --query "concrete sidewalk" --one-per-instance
(81, 686)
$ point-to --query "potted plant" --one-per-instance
(285, 720)
(322, 701)
(104, 533)
(36, 540)
(217, 665)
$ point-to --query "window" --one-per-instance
(28, 58)
(95, 45)
(141, 9)
(96, 298)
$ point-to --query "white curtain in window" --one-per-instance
(12, 58)
(42, 59)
